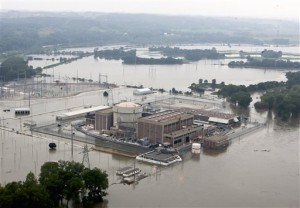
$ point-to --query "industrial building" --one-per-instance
(174, 127)
(210, 116)
(169, 126)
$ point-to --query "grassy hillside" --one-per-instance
(32, 30)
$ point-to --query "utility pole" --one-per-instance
(25, 85)
(29, 99)
(72, 139)
(99, 78)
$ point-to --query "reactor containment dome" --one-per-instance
(126, 114)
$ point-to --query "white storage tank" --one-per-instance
(196, 148)
(126, 114)
(143, 91)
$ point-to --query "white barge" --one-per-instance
(157, 158)
(124, 170)
(131, 172)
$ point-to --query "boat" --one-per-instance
(131, 172)
(157, 158)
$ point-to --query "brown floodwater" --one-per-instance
(260, 169)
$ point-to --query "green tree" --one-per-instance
(293, 79)
(26, 194)
(70, 173)
(242, 98)
(68, 180)
(174, 91)
(95, 183)
(213, 83)
(161, 90)
(73, 188)
(14, 67)
(105, 94)
(52, 181)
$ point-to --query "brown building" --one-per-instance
(169, 126)
(104, 119)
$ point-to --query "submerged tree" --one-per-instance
(16, 67)
(26, 194)
(242, 98)
(284, 101)
(105, 94)
(95, 182)
(72, 181)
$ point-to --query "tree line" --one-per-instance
(129, 57)
(151, 61)
(265, 63)
(235, 94)
(281, 97)
(271, 54)
(189, 54)
(58, 184)
(114, 54)
(241, 95)
(33, 30)
(16, 67)
(285, 102)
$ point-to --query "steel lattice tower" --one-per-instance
(85, 159)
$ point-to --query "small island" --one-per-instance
(174, 55)
(189, 54)
(269, 59)
(130, 57)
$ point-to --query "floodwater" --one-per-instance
(168, 76)
(245, 175)
(260, 169)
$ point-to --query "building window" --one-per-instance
(177, 141)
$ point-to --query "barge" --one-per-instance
(121, 171)
(159, 158)
(132, 172)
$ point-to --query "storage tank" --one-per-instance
(126, 114)
(143, 91)
(196, 148)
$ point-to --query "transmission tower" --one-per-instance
(85, 159)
